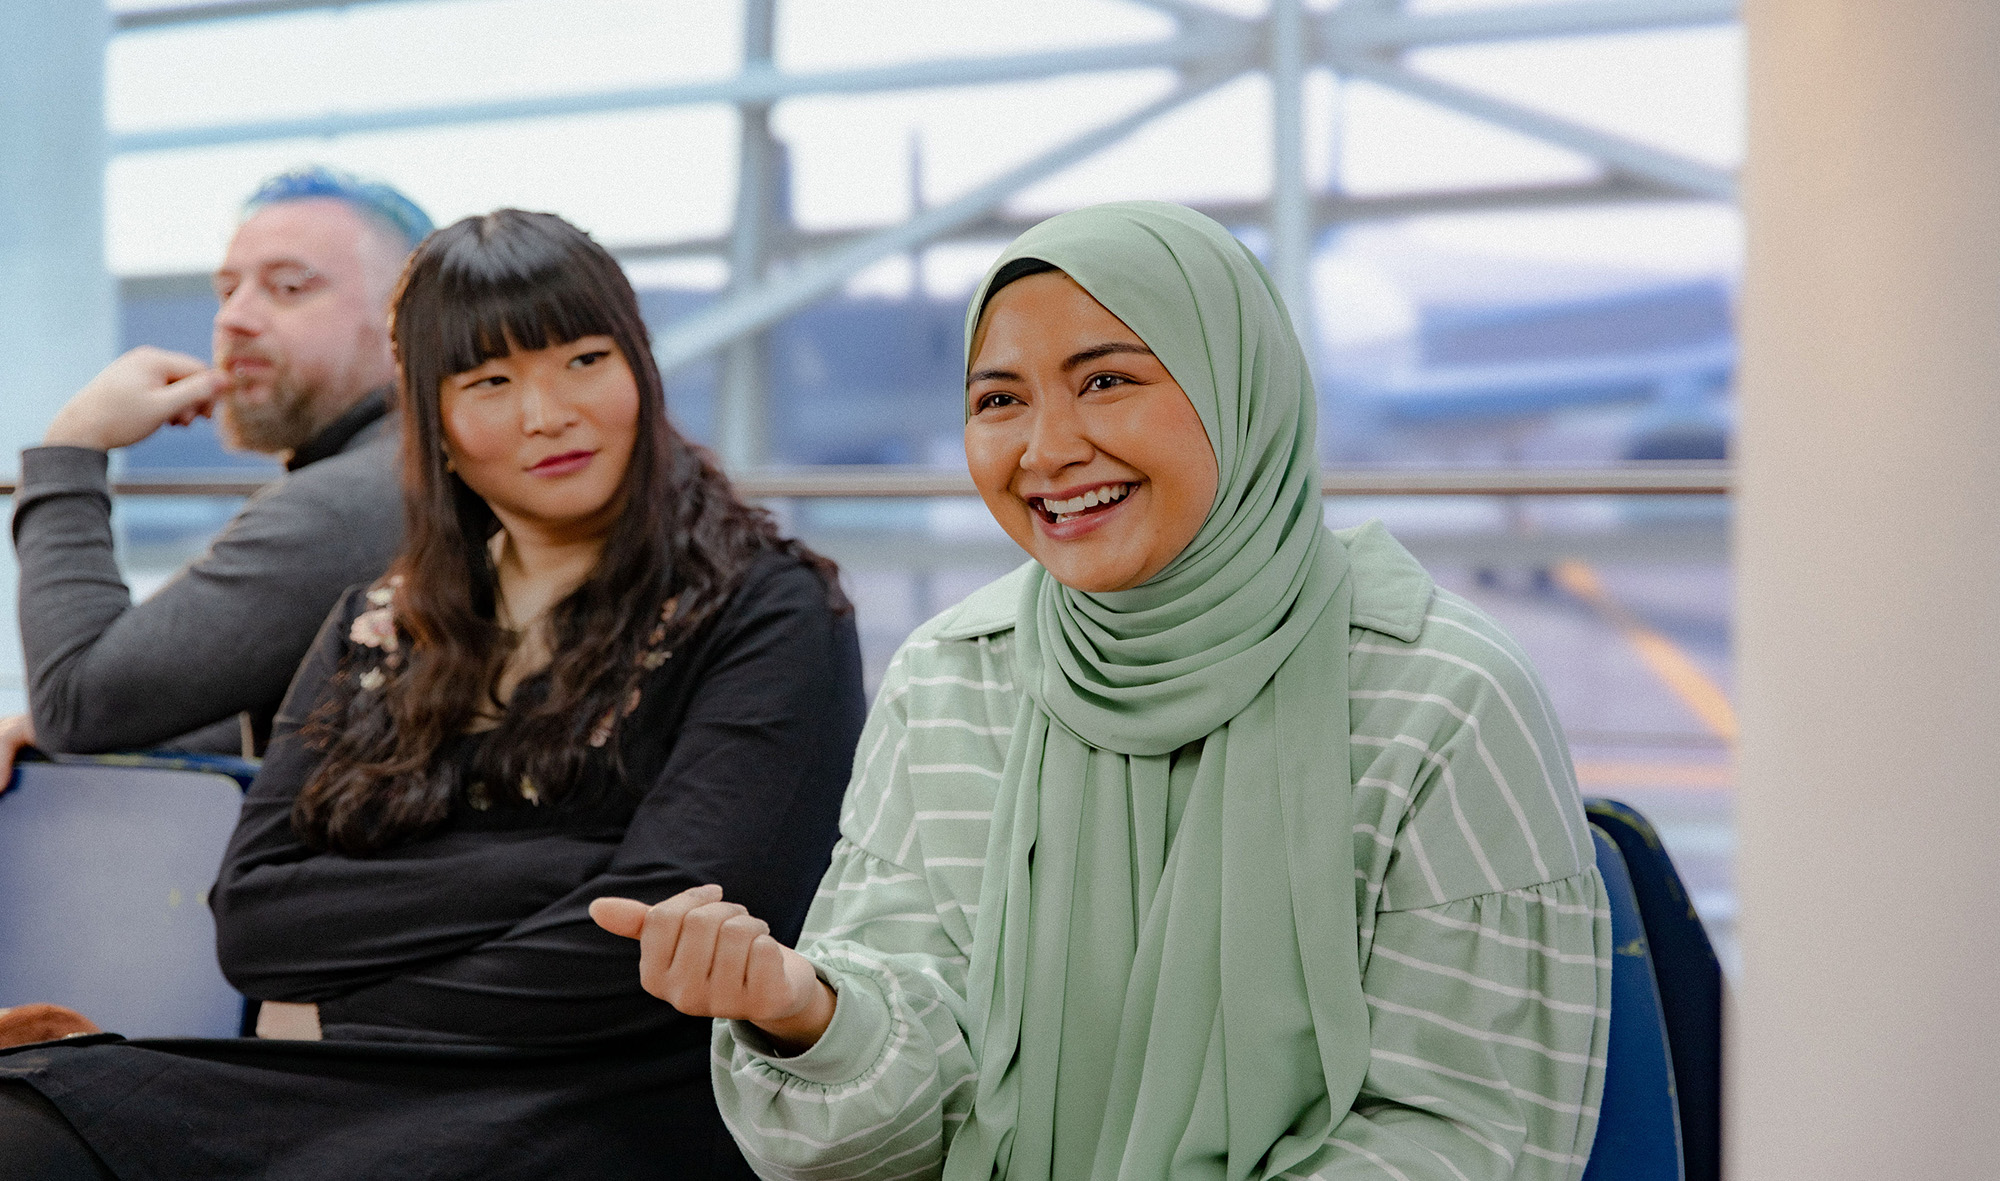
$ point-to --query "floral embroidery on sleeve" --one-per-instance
(376, 628)
(652, 656)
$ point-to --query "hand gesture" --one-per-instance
(134, 396)
(710, 958)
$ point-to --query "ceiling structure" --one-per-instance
(776, 268)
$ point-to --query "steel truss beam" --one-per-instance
(1291, 196)
(755, 84)
(1355, 29)
(1328, 210)
(743, 406)
(1355, 26)
(1691, 177)
(221, 10)
(1359, 38)
(772, 300)
(1343, 35)
(218, 10)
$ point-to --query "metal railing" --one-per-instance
(873, 482)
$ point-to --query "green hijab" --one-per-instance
(1163, 976)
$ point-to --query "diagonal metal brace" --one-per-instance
(773, 299)
(1356, 28)
(1615, 151)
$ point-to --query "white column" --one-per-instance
(58, 322)
(1865, 1040)
(58, 317)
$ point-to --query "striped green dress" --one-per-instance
(1484, 936)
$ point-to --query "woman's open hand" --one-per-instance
(710, 958)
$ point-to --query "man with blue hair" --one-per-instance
(301, 370)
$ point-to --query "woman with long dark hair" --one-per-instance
(592, 670)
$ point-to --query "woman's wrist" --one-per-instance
(794, 1035)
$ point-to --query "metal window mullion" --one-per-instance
(743, 409)
(1291, 202)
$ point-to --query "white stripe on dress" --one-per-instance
(1555, 795)
(1479, 745)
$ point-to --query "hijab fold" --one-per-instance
(1164, 957)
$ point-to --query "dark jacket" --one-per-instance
(225, 634)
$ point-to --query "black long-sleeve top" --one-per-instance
(477, 935)
(736, 759)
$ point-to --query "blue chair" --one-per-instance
(1690, 980)
(1638, 1123)
(104, 879)
(242, 770)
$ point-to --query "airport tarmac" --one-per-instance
(1637, 663)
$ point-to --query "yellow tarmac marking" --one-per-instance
(1676, 670)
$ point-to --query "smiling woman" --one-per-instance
(1209, 844)
(592, 669)
(1073, 425)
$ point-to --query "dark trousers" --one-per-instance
(37, 1143)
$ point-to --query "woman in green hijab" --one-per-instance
(1208, 844)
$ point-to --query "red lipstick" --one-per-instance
(563, 464)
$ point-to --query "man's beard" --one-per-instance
(282, 422)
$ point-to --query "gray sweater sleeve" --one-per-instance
(223, 636)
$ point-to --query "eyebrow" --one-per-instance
(270, 265)
(978, 375)
(1081, 357)
(1107, 349)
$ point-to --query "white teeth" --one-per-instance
(1091, 499)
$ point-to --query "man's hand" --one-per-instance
(15, 733)
(710, 958)
(134, 396)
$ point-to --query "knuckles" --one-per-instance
(744, 924)
(696, 934)
(717, 913)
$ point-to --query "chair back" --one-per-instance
(1689, 976)
(242, 770)
(104, 879)
(1638, 1126)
